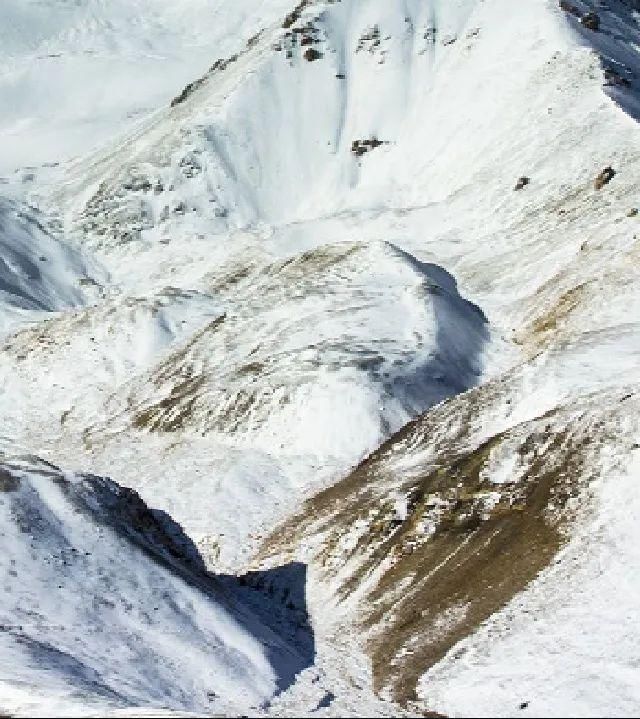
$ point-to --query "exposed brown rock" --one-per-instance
(604, 177)
(457, 556)
(311, 54)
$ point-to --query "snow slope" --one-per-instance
(309, 245)
(412, 542)
(73, 74)
(39, 274)
(106, 606)
(181, 205)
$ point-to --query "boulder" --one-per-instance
(311, 54)
(604, 178)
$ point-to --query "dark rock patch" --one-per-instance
(361, 147)
(604, 178)
(591, 21)
(571, 9)
(311, 54)
(294, 15)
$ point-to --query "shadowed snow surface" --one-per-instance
(233, 265)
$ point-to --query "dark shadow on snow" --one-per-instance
(277, 596)
(616, 41)
(455, 363)
(271, 604)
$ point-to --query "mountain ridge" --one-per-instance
(370, 281)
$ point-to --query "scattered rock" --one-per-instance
(253, 40)
(137, 184)
(187, 90)
(304, 36)
(190, 165)
(311, 54)
(604, 177)
(591, 21)
(370, 39)
(222, 64)
(294, 15)
(430, 34)
(522, 182)
(360, 147)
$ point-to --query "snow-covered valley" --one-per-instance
(347, 292)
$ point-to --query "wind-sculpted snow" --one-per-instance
(246, 149)
(38, 272)
(80, 357)
(106, 605)
(74, 74)
(324, 353)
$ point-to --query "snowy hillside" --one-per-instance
(106, 605)
(38, 273)
(74, 73)
(352, 286)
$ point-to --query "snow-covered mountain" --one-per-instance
(106, 605)
(350, 285)
(74, 73)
